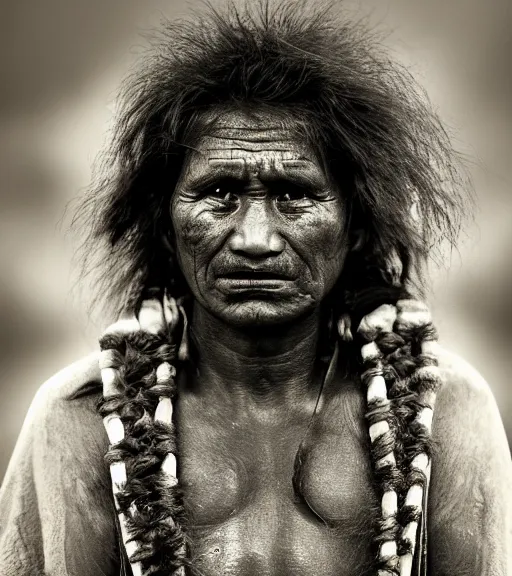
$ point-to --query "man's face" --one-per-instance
(260, 229)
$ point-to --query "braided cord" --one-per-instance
(401, 378)
(415, 324)
(382, 430)
(138, 387)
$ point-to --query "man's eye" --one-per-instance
(222, 193)
(291, 194)
(287, 197)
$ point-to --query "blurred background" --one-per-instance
(61, 62)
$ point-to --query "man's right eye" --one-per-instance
(222, 193)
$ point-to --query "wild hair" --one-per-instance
(375, 129)
(388, 152)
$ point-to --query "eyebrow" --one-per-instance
(238, 169)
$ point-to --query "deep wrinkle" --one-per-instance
(273, 363)
(258, 364)
(219, 209)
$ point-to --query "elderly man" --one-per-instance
(273, 191)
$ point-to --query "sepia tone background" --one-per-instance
(61, 61)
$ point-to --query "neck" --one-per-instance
(278, 363)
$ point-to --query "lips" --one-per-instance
(246, 278)
(254, 274)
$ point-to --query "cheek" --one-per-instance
(198, 236)
(321, 242)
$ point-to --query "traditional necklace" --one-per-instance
(399, 373)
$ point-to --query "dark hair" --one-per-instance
(380, 141)
(379, 137)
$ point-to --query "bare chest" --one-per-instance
(273, 497)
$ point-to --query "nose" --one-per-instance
(255, 235)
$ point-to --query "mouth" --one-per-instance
(254, 274)
(249, 279)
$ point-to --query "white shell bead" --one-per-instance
(107, 359)
(163, 412)
(409, 533)
(370, 351)
(169, 465)
(414, 319)
(430, 348)
(108, 377)
(414, 496)
(387, 549)
(425, 417)
(123, 326)
(377, 389)
(165, 372)
(130, 545)
(131, 548)
(378, 429)
(114, 428)
(420, 462)
(430, 372)
(380, 320)
(405, 565)
(389, 504)
(118, 475)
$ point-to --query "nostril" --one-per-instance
(256, 243)
(255, 234)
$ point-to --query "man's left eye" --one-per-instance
(287, 197)
(291, 194)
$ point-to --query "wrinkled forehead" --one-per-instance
(249, 143)
(256, 127)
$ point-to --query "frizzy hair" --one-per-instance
(372, 124)
(383, 146)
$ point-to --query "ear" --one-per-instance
(357, 240)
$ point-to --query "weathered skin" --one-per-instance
(250, 520)
(245, 412)
(256, 199)
(247, 404)
(57, 518)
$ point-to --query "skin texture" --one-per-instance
(254, 200)
(251, 405)
(56, 503)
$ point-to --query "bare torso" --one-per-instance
(246, 517)
(237, 466)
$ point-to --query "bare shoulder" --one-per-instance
(74, 381)
(460, 377)
(470, 505)
(63, 415)
(466, 409)
(56, 492)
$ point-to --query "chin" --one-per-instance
(262, 313)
